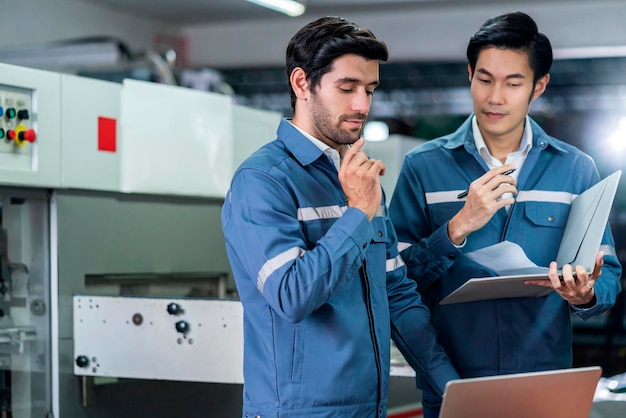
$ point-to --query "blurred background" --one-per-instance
(235, 48)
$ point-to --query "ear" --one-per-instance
(299, 83)
(469, 72)
(540, 86)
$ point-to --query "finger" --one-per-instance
(377, 166)
(553, 275)
(354, 158)
(501, 203)
(568, 276)
(597, 269)
(495, 172)
(349, 151)
(499, 182)
(501, 190)
(584, 281)
(504, 168)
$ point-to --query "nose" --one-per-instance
(361, 102)
(496, 95)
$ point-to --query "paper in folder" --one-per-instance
(580, 244)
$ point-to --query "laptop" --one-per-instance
(565, 393)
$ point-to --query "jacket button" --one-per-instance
(380, 233)
(451, 257)
(550, 218)
(364, 244)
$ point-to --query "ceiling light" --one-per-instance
(289, 7)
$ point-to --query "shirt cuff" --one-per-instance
(587, 306)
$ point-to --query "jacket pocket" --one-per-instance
(297, 354)
(551, 215)
(377, 252)
(544, 224)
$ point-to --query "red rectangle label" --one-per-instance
(107, 134)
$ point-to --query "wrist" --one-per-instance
(456, 237)
(589, 304)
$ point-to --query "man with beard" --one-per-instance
(313, 252)
(437, 222)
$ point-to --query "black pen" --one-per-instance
(464, 194)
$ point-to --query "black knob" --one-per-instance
(22, 114)
(174, 309)
(82, 361)
(182, 326)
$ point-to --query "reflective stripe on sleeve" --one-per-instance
(328, 212)
(275, 263)
(608, 250)
(322, 212)
(394, 263)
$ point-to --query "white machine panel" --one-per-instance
(90, 149)
(195, 340)
(30, 143)
(253, 128)
(175, 140)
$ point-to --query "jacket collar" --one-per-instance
(298, 145)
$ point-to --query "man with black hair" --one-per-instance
(508, 62)
(313, 251)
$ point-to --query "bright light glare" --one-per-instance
(289, 7)
(375, 131)
(618, 139)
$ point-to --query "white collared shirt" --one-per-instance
(330, 152)
(517, 157)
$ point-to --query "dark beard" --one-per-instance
(324, 125)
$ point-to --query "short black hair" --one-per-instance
(314, 48)
(516, 31)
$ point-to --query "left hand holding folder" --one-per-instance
(576, 287)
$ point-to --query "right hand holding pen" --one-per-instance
(359, 178)
(483, 201)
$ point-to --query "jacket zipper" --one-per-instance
(370, 317)
(507, 222)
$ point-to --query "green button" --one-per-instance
(1, 133)
(11, 113)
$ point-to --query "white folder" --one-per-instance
(580, 244)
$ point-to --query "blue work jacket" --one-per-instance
(323, 290)
(505, 335)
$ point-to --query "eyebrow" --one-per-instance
(509, 76)
(355, 80)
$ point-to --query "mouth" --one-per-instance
(494, 115)
(354, 122)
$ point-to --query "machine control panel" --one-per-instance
(17, 121)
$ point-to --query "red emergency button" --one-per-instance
(28, 135)
(11, 134)
(22, 135)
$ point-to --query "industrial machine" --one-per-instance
(115, 289)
